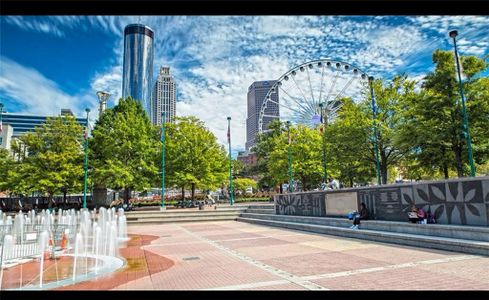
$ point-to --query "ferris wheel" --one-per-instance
(310, 90)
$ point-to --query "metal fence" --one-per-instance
(26, 244)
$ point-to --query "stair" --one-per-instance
(466, 239)
(184, 215)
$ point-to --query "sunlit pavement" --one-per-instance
(231, 255)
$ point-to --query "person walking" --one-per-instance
(362, 215)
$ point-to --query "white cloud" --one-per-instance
(36, 94)
(214, 59)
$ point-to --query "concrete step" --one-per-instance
(260, 211)
(182, 219)
(441, 243)
(181, 212)
(475, 233)
(182, 215)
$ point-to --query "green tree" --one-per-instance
(241, 184)
(123, 148)
(390, 98)
(7, 164)
(54, 162)
(432, 129)
(193, 157)
(348, 139)
(306, 156)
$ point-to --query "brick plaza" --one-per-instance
(231, 255)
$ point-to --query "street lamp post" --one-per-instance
(374, 122)
(86, 163)
(323, 137)
(453, 34)
(291, 180)
(231, 194)
(1, 112)
(163, 120)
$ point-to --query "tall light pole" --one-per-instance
(323, 137)
(163, 120)
(291, 180)
(1, 112)
(453, 34)
(86, 163)
(231, 194)
(374, 123)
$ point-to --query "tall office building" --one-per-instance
(164, 96)
(15, 125)
(137, 76)
(256, 95)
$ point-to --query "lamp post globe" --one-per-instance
(453, 33)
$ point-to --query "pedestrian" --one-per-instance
(333, 183)
(362, 215)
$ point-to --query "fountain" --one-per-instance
(95, 239)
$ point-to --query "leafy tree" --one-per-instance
(432, 129)
(124, 147)
(348, 139)
(390, 98)
(6, 164)
(305, 155)
(265, 143)
(241, 184)
(54, 162)
(193, 156)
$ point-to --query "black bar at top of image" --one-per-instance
(267, 7)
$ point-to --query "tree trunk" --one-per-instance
(127, 194)
(458, 158)
(183, 193)
(351, 181)
(193, 191)
(281, 188)
(445, 170)
(383, 167)
(50, 201)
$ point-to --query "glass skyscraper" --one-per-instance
(137, 71)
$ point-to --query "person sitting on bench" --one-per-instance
(363, 215)
(417, 215)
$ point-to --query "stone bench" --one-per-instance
(477, 233)
(433, 242)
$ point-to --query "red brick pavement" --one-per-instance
(140, 263)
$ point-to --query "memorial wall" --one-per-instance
(463, 201)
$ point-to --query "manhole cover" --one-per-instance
(191, 258)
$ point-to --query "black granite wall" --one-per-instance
(462, 201)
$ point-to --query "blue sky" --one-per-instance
(49, 63)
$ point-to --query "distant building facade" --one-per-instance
(6, 136)
(22, 123)
(164, 97)
(256, 96)
(137, 74)
(247, 158)
(15, 125)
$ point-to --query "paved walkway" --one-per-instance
(231, 255)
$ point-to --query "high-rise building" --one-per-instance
(137, 76)
(164, 97)
(256, 95)
(15, 125)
